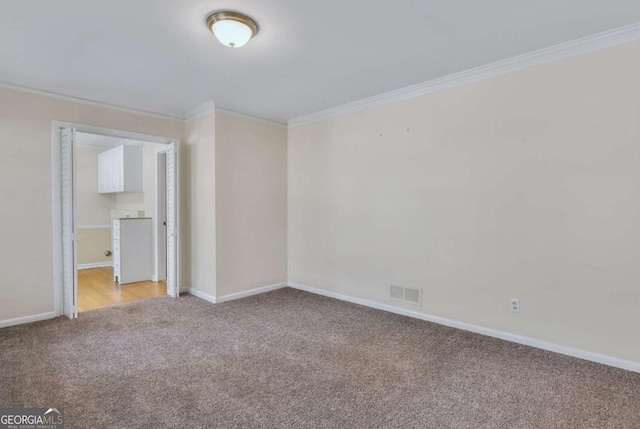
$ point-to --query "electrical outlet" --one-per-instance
(515, 305)
(290, 265)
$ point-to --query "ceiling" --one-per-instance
(159, 56)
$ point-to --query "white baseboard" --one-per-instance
(231, 297)
(568, 351)
(250, 292)
(201, 295)
(27, 319)
(94, 265)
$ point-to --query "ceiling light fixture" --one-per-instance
(231, 28)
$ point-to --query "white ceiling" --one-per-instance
(158, 55)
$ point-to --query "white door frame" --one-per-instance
(57, 194)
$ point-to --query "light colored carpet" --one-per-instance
(289, 359)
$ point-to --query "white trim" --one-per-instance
(56, 195)
(558, 52)
(562, 51)
(28, 319)
(195, 113)
(104, 147)
(112, 132)
(568, 351)
(234, 296)
(201, 295)
(57, 188)
(179, 209)
(250, 292)
(93, 146)
(233, 112)
(158, 228)
(200, 111)
(95, 265)
(93, 227)
(20, 87)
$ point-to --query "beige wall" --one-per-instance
(521, 186)
(131, 201)
(150, 167)
(25, 185)
(251, 204)
(198, 158)
(92, 244)
(92, 208)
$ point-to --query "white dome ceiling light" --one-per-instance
(232, 29)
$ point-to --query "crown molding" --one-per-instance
(200, 111)
(211, 108)
(268, 121)
(554, 53)
(52, 94)
(192, 114)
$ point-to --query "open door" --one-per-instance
(161, 215)
(173, 286)
(69, 242)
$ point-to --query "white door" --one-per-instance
(173, 287)
(69, 249)
(161, 216)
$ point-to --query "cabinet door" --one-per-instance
(118, 169)
(133, 169)
(101, 183)
(104, 173)
(112, 173)
(111, 168)
(121, 170)
(136, 250)
(108, 171)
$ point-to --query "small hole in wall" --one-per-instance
(380, 134)
(407, 129)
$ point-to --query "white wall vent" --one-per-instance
(412, 295)
(397, 292)
(406, 294)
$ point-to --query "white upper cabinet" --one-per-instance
(121, 169)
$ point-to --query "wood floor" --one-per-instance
(96, 289)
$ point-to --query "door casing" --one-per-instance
(56, 160)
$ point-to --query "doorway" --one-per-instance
(137, 175)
